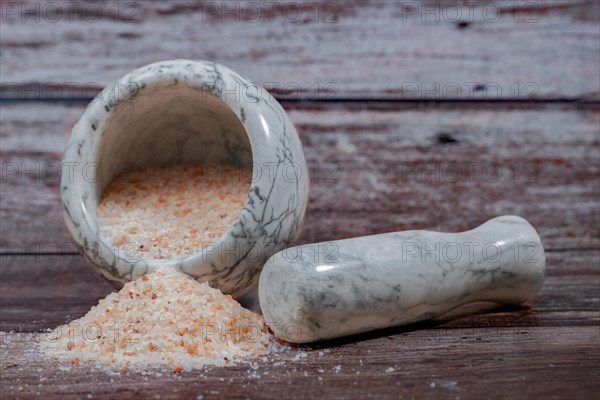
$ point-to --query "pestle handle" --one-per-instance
(332, 289)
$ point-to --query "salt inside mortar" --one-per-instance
(170, 212)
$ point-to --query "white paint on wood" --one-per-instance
(372, 49)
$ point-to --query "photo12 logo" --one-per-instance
(453, 91)
(270, 11)
(467, 12)
(69, 11)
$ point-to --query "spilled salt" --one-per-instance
(162, 320)
(172, 211)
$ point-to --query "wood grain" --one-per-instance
(372, 170)
(522, 363)
(319, 50)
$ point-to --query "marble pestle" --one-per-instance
(327, 290)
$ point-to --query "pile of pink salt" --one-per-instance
(162, 320)
(172, 211)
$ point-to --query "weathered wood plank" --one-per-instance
(38, 292)
(536, 362)
(372, 171)
(441, 50)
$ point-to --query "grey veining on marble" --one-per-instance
(188, 112)
(332, 289)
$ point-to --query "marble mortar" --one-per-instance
(188, 112)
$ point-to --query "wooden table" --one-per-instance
(411, 118)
